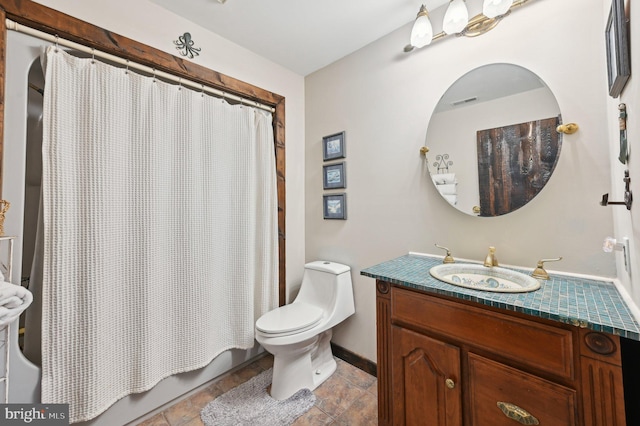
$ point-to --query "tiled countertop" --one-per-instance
(590, 303)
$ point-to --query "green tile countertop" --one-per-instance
(591, 303)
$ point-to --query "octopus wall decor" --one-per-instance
(184, 44)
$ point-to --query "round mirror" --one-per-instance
(492, 140)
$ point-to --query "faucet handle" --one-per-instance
(540, 272)
(448, 258)
(491, 259)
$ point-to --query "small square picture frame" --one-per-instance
(334, 206)
(334, 176)
(333, 146)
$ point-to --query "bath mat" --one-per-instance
(250, 404)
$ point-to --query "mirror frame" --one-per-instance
(42, 18)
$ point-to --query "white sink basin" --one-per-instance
(479, 277)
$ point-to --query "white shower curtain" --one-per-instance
(160, 231)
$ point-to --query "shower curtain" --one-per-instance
(160, 230)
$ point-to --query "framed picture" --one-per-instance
(333, 146)
(335, 206)
(617, 41)
(334, 176)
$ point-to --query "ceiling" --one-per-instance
(301, 35)
(487, 83)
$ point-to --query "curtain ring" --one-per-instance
(154, 75)
(179, 83)
(93, 56)
(224, 96)
(126, 70)
(202, 90)
(57, 46)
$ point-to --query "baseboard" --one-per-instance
(355, 360)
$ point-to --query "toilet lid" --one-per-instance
(295, 317)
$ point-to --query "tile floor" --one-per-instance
(348, 397)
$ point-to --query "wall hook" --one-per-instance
(628, 196)
(622, 120)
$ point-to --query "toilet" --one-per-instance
(299, 334)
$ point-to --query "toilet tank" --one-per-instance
(328, 286)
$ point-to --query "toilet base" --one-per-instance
(305, 365)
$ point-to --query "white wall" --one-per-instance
(627, 223)
(383, 99)
(148, 23)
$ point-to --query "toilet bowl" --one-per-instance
(298, 335)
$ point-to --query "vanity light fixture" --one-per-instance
(456, 18)
(422, 31)
(456, 21)
(493, 8)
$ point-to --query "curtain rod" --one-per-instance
(12, 25)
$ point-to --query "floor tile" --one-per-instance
(205, 396)
(180, 413)
(348, 397)
(232, 380)
(336, 395)
(313, 417)
(373, 389)
(363, 411)
(157, 420)
(194, 422)
(354, 374)
(266, 362)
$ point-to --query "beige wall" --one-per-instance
(155, 26)
(383, 99)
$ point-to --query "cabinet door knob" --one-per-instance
(450, 383)
(518, 414)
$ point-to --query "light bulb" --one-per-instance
(456, 18)
(493, 8)
(422, 32)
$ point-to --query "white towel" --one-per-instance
(447, 189)
(453, 199)
(442, 178)
(14, 299)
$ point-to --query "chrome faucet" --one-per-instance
(491, 259)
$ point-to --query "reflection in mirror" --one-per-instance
(492, 140)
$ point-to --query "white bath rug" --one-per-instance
(250, 404)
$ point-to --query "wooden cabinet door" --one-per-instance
(504, 396)
(426, 380)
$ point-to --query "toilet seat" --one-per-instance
(289, 319)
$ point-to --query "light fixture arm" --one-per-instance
(477, 25)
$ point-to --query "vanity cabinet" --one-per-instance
(445, 361)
